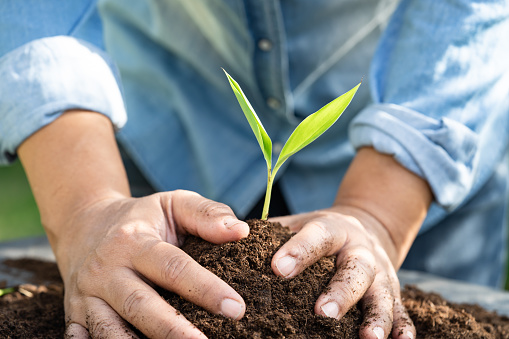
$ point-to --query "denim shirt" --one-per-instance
(435, 93)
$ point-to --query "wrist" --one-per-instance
(58, 221)
(391, 199)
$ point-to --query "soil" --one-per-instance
(276, 307)
(35, 309)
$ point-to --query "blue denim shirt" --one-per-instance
(435, 92)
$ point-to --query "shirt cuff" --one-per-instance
(44, 78)
(443, 152)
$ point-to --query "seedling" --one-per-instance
(4, 291)
(304, 134)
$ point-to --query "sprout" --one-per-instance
(4, 291)
(304, 134)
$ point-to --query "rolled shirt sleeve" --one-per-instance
(440, 86)
(45, 77)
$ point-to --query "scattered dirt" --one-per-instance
(436, 318)
(276, 307)
(33, 311)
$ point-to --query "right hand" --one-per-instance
(114, 250)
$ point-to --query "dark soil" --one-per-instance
(276, 307)
(33, 311)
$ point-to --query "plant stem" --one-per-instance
(6, 291)
(270, 180)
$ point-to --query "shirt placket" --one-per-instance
(270, 61)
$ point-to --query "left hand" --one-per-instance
(365, 271)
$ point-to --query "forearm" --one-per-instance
(395, 197)
(70, 164)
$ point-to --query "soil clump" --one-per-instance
(275, 307)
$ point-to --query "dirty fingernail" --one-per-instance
(331, 309)
(379, 332)
(231, 308)
(286, 265)
(410, 335)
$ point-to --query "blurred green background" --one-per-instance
(18, 212)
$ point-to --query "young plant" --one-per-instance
(4, 291)
(304, 134)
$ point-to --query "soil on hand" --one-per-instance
(275, 307)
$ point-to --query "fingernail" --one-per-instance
(379, 332)
(330, 309)
(410, 335)
(286, 265)
(231, 308)
(231, 222)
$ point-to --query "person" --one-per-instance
(418, 156)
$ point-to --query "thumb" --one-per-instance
(204, 218)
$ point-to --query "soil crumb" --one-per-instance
(276, 307)
(34, 309)
(435, 317)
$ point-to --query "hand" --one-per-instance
(114, 250)
(111, 248)
(364, 274)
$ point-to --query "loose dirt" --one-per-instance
(275, 307)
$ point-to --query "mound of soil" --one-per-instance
(276, 307)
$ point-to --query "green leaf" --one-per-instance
(314, 126)
(255, 123)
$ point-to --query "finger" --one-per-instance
(315, 240)
(171, 268)
(205, 218)
(403, 326)
(145, 309)
(377, 305)
(76, 331)
(103, 322)
(355, 274)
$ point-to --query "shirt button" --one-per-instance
(277, 147)
(273, 103)
(265, 45)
